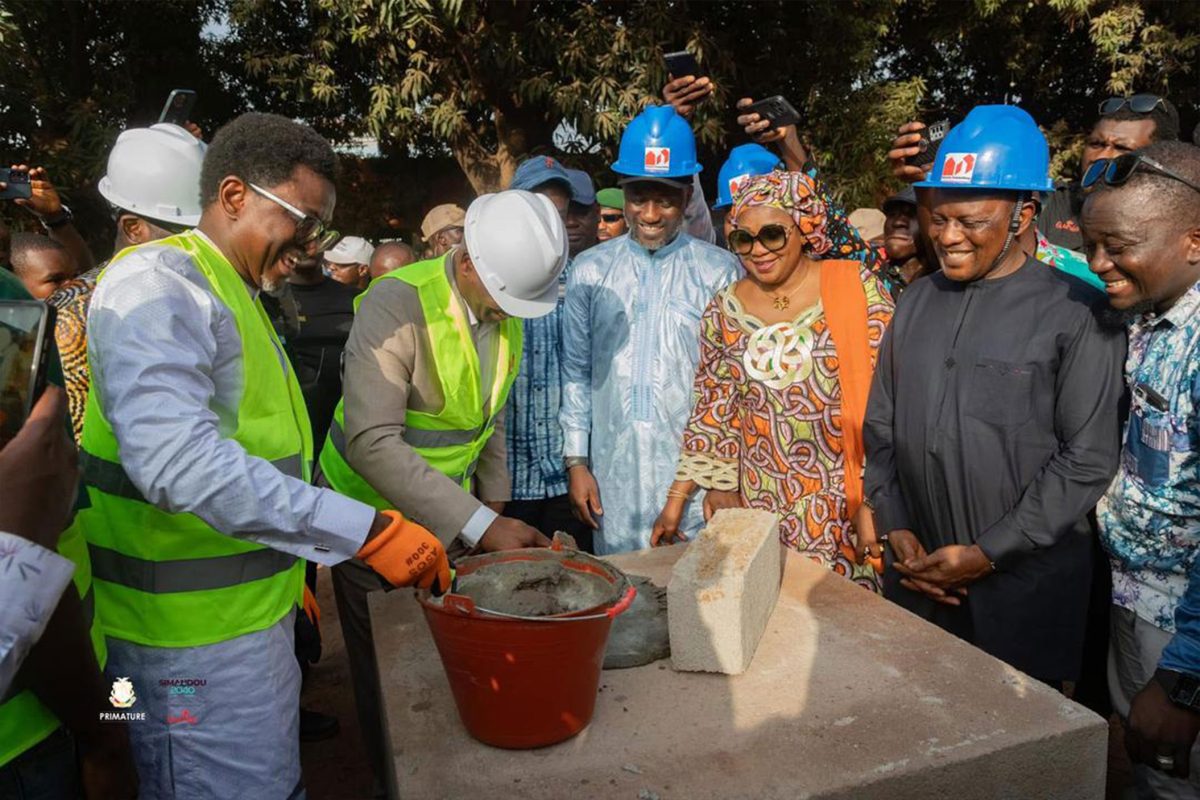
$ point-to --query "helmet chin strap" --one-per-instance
(1014, 224)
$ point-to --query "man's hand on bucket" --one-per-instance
(506, 533)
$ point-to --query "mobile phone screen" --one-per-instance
(22, 330)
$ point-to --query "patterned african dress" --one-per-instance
(70, 333)
(767, 421)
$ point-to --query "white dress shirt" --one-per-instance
(166, 359)
(32, 580)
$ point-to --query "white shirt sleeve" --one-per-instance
(32, 580)
(477, 525)
(165, 358)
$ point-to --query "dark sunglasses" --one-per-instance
(611, 218)
(1116, 171)
(1138, 104)
(773, 237)
(311, 232)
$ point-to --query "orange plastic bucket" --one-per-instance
(522, 682)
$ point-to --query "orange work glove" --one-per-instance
(406, 554)
(311, 609)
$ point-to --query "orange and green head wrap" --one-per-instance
(793, 192)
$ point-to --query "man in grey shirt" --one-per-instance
(992, 427)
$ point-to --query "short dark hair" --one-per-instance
(1164, 115)
(264, 149)
(1176, 199)
(24, 245)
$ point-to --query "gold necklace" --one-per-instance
(783, 301)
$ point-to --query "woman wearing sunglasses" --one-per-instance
(786, 359)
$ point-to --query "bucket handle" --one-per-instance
(623, 604)
(460, 603)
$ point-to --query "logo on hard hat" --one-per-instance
(958, 167)
(658, 159)
(737, 182)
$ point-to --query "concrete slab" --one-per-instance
(848, 697)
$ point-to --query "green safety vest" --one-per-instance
(24, 721)
(171, 580)
(452, 439)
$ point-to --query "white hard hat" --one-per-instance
(518, 244)
(350, 250)
(155, 173)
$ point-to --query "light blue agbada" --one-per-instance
(631, 341)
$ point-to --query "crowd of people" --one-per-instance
(979, 400)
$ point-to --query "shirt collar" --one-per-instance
(1184, 310)
(453, 276)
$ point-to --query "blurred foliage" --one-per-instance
(487, 82)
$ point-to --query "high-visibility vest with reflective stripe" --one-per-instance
(24, 721)
(171, 580)
(452, 439)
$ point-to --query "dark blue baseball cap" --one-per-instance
(583, 191)
(533, 172)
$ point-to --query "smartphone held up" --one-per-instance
(26, 340)
(16, 184)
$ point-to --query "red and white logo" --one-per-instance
(658, 159)
(958, 167)
(737, 182)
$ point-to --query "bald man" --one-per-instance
(389, 256)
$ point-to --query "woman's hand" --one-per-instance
(666, 527)
(866, 543)
(717, 499)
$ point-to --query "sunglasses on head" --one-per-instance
(610, 218)
(1138, 104)
(773, 237)
(311, 232)
(1116, 171)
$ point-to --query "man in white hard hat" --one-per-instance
(442, 228)
(431, 358)
(347, 261)
(153, 185)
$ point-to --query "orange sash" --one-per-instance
(845, 304)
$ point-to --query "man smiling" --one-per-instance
(1141, 223)
(992, 424)
(631, 336)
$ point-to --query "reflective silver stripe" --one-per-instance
(420, 437)
(111, 478)
(189, 574)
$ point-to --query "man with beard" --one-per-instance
(992, 424)
(631, 327)
(1142, 227)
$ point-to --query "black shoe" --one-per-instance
(315, 726)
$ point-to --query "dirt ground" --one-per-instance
(336, 769)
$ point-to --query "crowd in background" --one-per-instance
(978, 400)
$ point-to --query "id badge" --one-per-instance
(1149, 444)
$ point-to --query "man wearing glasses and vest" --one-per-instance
(197, 456)
(431, 358)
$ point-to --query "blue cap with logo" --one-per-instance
(533, 172)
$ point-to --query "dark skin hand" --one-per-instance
(1158, 727)
(687, 92)
(44, 202)
(785, 138)
(907, 549)
(904, 146)
(584, 495)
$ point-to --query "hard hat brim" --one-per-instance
(114, 198)
(524, 309)
(982, 187)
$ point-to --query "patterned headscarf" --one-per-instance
(793, 192)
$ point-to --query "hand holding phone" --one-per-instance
(178, 108)
(14, 184)
(680, 64)
(39, 473)
(927, 145)
(769, 120)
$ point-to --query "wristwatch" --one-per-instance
(575, 461)
(1182, 689)
(63, 217)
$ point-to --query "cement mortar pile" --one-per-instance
(535, 588)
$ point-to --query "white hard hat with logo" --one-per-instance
(518, 244)
(155, 173)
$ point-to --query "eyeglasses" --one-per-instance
(1138, 104)
(773, 237)
(611, 218)
(1116, 171)
(311, 232)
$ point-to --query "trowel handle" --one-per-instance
(624, 603)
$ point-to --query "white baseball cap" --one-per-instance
(350, 250)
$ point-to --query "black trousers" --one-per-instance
(549, 515)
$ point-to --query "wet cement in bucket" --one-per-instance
(535, 588)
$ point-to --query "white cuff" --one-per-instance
(575, 444)
(340, 527)
(477, 525)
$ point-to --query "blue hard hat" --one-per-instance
(745, 161)
(657, 143)
(996, 148)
